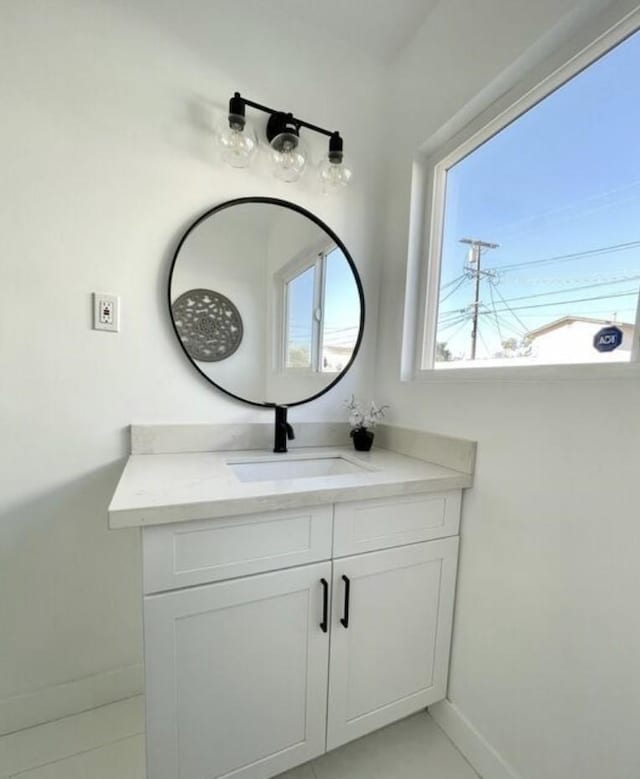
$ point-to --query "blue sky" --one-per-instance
(562, 179)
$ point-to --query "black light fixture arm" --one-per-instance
(280, 121)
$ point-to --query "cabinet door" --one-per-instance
(236, 676)
(391, 658)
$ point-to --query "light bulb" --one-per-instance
(288, 157)
(334, 175)
(237, 140)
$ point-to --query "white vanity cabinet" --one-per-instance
(271, 638)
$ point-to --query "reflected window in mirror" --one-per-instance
(340, 300)
(300, 301)
(319, 299)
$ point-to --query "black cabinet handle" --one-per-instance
(347, 591)
(324, 625)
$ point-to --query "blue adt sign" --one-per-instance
(608, 339)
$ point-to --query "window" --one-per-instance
(535, 238)
(320, 297)
(301, 305)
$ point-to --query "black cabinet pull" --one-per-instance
(324, 625)
(347, 591)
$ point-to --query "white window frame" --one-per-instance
(310, 258)
(427, 222)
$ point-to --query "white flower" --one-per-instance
(358, 418)
(355, 419)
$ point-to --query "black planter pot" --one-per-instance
(362, 439)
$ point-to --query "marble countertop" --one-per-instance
(179, 487)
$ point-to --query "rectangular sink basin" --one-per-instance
(303, 468)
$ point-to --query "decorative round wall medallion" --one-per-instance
(209, 325)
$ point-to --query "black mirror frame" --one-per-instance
(339, 244)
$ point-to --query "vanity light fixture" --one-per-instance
(288, 151)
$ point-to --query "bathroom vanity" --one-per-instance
(292, 602)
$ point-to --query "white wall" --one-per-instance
(547, 635)
(106, 156)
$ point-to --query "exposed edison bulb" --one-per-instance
(288, 157)
(335, 175)
(237, 140)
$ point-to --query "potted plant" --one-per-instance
(363, 421)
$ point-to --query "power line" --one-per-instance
(457, 332)
(607, 312)
(452, 318)
(493, 322)
(515, 316)
(453, 281)
(512, 325)
(493, 306)
(572, 289)
(556, 292)
(484, 343)
(563, 302)
(453, 323)
(454, 290)
(619, 247)
(616, 247)
(567, 281)
(526, 329)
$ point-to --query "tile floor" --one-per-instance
(108, 743)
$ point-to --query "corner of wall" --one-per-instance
(484, 758)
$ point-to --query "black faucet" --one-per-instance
(283, 430)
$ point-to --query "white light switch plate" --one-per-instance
(106, 312)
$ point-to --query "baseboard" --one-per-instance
(62, 700)
(483, 757)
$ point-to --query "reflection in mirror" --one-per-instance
(266, 302)
(319, 301)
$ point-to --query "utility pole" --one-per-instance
(473, 268)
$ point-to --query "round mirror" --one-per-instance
(266, 301)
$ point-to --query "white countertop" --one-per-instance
(179, 487)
